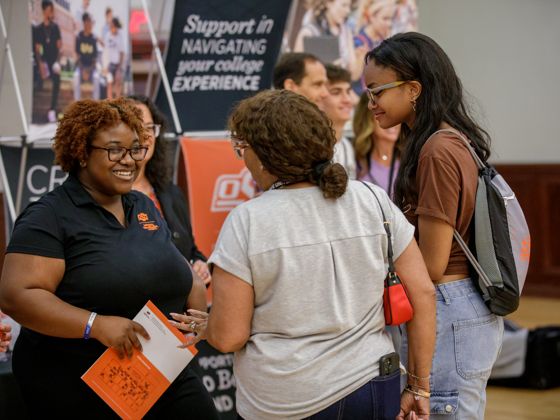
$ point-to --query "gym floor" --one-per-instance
(525, 404)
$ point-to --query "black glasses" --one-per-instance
(116, 154)
(153, 129)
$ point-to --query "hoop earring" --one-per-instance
(413, 102)
(82, 164)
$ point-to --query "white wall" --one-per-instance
(507, 53)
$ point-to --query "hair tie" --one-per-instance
(319, 168)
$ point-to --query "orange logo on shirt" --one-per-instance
(150, 226)
(146, 223)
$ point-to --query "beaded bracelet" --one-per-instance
(88, 325)
(417, 392)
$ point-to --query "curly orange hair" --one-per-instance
(81, 122)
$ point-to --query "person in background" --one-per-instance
(329, 17)
(373, 26)
(48, 44)
(154, 180)
(411, 81)
(107, 25)
(78, 16)
(377, 149)
(5, 334)
(84, 259)
(301, 73)
(86, 50)
(406, 17)
(338, 106)
(114, 49)
(299, 272)
(375, 20)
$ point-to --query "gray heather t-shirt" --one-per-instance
(317, 268)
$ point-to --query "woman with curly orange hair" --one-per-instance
(83, 260)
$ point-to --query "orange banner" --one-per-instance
(217, 182)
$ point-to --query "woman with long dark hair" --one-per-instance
(411, 81)
(154, 180)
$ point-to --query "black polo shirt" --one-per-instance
(110, 269)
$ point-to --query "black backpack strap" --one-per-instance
(386, 225)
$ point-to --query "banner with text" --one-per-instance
(40, 176)
(219, 52)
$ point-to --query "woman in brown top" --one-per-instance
(411, 81)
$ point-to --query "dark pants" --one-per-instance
(52, 387)
(55, 86)
(378, 399)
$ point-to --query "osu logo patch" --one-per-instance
(142, 217)
(146, 223)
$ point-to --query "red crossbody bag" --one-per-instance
(396, 305)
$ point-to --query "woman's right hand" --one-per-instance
(119, 333)
(5, 336)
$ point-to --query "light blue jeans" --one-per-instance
(468, 341)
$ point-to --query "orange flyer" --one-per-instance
(132, 386)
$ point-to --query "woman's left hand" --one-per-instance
(201, 268)
(194, 322)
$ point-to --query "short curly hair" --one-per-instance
(81, 122)
(291, 137)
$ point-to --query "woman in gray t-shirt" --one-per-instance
(298, 276)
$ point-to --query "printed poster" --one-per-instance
(81, 49)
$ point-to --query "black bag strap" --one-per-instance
(386, 225)
(481, 165)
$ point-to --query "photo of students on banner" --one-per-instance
(80, 50)
(219, 52)
(341, 32)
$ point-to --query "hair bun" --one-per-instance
(333, 180)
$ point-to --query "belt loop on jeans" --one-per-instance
(444, 293)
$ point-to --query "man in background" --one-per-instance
(301, 73)
(86, 51)
(47, 49)
(338, 104)
(78, 16)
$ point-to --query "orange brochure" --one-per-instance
(132, 386)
